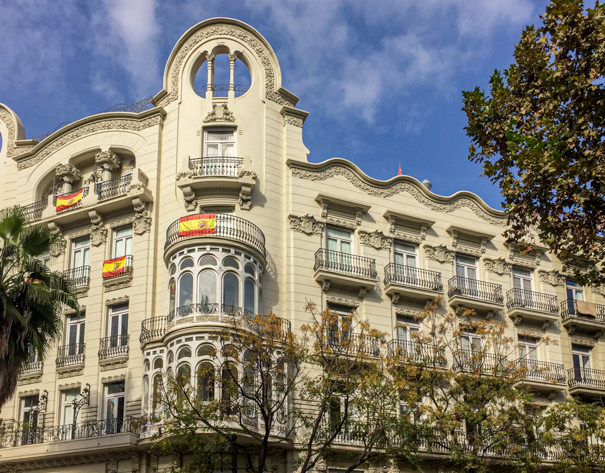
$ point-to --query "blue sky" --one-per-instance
(382, 80)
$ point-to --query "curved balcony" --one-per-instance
(411, 282)
(226, 227)
(475, 294)
(216, 166)
(33, 211)
(210, 315)
(530, 305)
(344, 270)
(583, 315)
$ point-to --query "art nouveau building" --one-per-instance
(281, 230)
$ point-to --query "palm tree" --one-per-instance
(31, 296)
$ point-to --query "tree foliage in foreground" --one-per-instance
(31, 296)
(540, 135)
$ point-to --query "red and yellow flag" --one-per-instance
(113, 267)
(66, 201)
(199, 224)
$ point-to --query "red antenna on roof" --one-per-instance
(399, 171)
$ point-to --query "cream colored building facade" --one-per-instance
(287, 231)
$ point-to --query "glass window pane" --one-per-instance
(249, 297)
(230, 262)
(186, 290)
(345, 247)
(207, 287)
(207, 260)
(230, 290)
(186, 263)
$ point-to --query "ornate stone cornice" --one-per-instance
(306, 224)
(294, 116)
(554, 277)
(441, 253)
(339, 167)
(117, 300)
(206, 31)
(68, 460)
(376, 240)
(88, 126)
(342, 301)
(498, 266)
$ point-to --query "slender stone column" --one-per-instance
(68, 175)
(210, 80)
(232, 58)
(108, 162)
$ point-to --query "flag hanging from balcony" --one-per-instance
(113, 267)
(199, 224)
(66, 201)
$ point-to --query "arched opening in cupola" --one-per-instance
(222, 80)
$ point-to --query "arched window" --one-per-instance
(184, 352)
(207, 289)
(230, 292)
(230, 262)
(172, 289)
(229, 351)
(157, 394)
(146, 365)
(186, 263)
(145, 395)
(206, 350)
(185, 293)
(170, 357)
(228, 387)
(172, 269)
(207, 260)
(205, 381)
(249, 269)
(249, 297)
(183, 375)
(158, 363)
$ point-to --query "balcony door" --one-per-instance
(405, 337)
(405, 259)
(28, 417)
(522, 283)
(339, 243)
(80, 255)
(581, 362)
(75, 335)
(574, 293)
(69, 423)
(528, 352)
(466, 273)
(114, 407)
(341, 328)
(122, 241)
(470, 343)
(117, 329)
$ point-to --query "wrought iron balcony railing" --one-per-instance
(586, 378)
(479, 362)
(83, 430)
(114, 347)
(31, 367)
(411, 276)
(153, 329)
(78, 277)
(226, 226)
(216, 166)
(77, 204)
(70, 355)
(34, 211)
(128, 259)
(417, 352)
(345, 263)
(569, 310)
(113, 187)
(534, 370)
(519, 298)
(475, 289)
(349, 343)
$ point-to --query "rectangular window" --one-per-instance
(67, 413)
(117, 326)
(339, 243)
(219, 143)
(528, 349)
(122, 241)
(342, 324)
(522, 284)
(74, 335)
(28, 416)
(405, 331)
(114, 407)
(575, 292)
(466, 275)
(404, 254)
(80, 253)
(470, 343)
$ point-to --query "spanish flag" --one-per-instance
(199, 224)
(113, 267)
(66, 201)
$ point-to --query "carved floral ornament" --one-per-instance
(237, 33)
(306, 224)
(220, 113)
(554, 277)
(498, 266)
(441, 253)
(107, 160)
(397, 187)
(342, 301)
(376, 240)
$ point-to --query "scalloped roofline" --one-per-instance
(389, 183)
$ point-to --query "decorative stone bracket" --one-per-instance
(306, 224)
(98, 232)
(498, 266)
(58, 247)
(142, 217)
(554, 277)
(376, 240)
(441, 253)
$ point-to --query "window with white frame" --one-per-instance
(67, 412)
(581, 359)
(219, 143)
(114, 406)
(80, 252)
(117, 325)
(528, 350)
(470, 343)
(575, 292)
(339, 244)
(122, 241)
(74, 335)
(28, 415)
(405, 254)
(405, 331)
(341, 328)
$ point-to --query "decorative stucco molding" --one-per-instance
(56, 141)
(57, 248)
(306, 224)
(599, 290)
(554, 277)
(376, 240)
(116, 283)
(117, 300)
(339, 167)
(238, 33)
(142, 217)
(107, 160)
(98, 232)
(219, 113)
(342, 301)
(441, 253)
(498, 266)
(72, 385)
(294, 116)
(67, 173)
